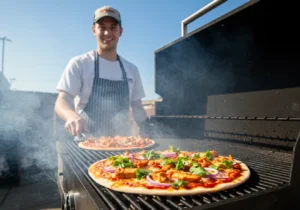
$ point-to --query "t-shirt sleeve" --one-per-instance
(138, 89)
(70, 81)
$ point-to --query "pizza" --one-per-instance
(107, 143)
(170, 172)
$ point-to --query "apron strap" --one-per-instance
(97, 72)
(96, 66)
(122, 68)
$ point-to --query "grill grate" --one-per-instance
(272, 172)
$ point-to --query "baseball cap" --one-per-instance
(107, 11)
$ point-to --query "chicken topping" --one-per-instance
(140, 163)
(125, 173)
(204, 162)
(181, 175)
(214, 153)
(155, 162)
(167, 167)
(159, 176)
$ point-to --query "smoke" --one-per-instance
(210, 62)
(3, 165)
(27, 124)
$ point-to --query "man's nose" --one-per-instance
(106, 32)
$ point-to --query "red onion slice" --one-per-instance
(109, 169)
(192, 154)
(213, 173)
(136, 158)
(234, 163)
(169, 154)
(157, 184)
(222, 175)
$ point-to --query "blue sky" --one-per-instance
(47, 34)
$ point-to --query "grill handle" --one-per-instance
(67, 198)
(199, 13)
(62, 191)
(70, 201)
(295, 169)
(294, 196)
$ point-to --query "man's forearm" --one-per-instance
(139, 112)
(63, 106)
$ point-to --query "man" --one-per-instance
(102, 84)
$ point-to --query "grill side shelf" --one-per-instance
(295, 172)
(265, 118)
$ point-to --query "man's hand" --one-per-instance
(76, 126)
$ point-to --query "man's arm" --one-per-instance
(63, 105)
(138, 111)
(75, 125)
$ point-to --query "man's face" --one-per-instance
(107, 32)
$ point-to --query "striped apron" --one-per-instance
(107, 111)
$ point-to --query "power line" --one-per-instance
(3, 46)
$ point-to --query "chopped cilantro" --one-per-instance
(196, 156)
(122, 162)
(151, 155)
(198, 170)
(195, 164)
(166, 161)
(114, 157)
(174, 149)
(208, 155)
(227, 163)
(181, 162)
(162, 156)
(141, 173)
(179, 183)
(214, 167)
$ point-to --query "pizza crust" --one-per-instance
(81, 145)
(245, 174)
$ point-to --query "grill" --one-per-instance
(225, 86)
(271, 175)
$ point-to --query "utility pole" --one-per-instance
(3, 46)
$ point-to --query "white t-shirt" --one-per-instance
(78, 77)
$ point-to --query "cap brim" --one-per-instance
(106, 15)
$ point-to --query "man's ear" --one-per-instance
(93, 29)
(121, 31)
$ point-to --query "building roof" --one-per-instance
(4, 84)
